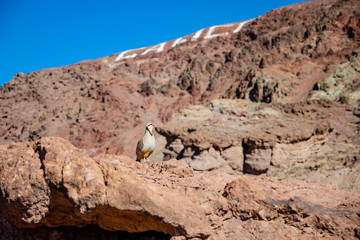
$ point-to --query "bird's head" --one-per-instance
(150, 127)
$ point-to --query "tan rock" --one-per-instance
(257, 161)
(50, 183)
(314, 141)
(209, 160)
(235, 157)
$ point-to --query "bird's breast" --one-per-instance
(149, 142)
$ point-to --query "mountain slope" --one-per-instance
(102, 105)
(277, 96)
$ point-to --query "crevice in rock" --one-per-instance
(64, 213)
(42, 153)
(113, 219)
(245, 150)
(88, 232)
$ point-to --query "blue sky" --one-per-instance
(37, 34)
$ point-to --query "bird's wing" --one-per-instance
(139, 146)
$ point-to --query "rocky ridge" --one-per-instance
(276, 96)
(50, 185)
(288, 55)
(318, 141)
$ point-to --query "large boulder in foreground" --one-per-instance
(50, 188)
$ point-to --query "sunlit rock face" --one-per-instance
(49, 187)
(237, 108)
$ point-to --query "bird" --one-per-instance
(146, 145)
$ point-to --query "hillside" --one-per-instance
(276, 96)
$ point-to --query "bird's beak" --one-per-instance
(150, 128)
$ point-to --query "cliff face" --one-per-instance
(276, 96)
(315, 141)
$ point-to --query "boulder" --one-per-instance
(49, 188)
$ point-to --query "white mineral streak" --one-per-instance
(197, 35)
(240, 26)
(178, 41)
(158, 48)
(211, 33)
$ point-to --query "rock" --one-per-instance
(282, 92)
(75, 190)
(291, 154)
(259, 129)
(280, 202)
(57, 190)
(230, 107)
(99, 105)
(351, 179)
(209, 160)
(340, 86)
(235, 158)
(23, 183)
(257, 161)
(310, 141)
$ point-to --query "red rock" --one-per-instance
(311, 142)
(284, 99)
(50, 183)
(102, 105)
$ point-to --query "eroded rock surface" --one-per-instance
(316, 141)
(103, 105)
(279, 97)
(50, 185)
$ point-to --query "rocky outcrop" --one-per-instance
(315, 141)
(343, 84)
(49, 186)
(276, 96)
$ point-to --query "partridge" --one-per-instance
(146, 144)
